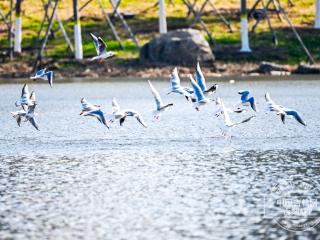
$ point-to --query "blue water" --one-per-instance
(177, 179)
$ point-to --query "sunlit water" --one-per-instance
(177, 179)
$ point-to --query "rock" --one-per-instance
(307, 69)
(180, 47)
(268, 68)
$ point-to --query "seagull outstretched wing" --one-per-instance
(102, 46)
(140, 120)
(25, 92)
(174, 79)
(252, 103)
(156, 95)
(100, 116)
(296, 115)
(115, 106)
(197, 90)
(24, 99)
(34, 123)
(87, 107)
(200, 78)
(49, 76)
(272, 106)
(96, 43)
(40, 72)
(244, 95)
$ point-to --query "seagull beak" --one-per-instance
(81, 113)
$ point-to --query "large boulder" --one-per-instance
(180, 47)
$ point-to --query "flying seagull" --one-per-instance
(201, 99)
(89, 109)
(224, 112)
(246, 101)
(117, 113)
(42, 74)
(101, 48)
(282, 111)
(26, 98)
(25, 116)
(177, 88)
(161, 107)
(202, 82)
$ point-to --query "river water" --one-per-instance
(177, 179)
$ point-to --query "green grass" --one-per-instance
(145, 25)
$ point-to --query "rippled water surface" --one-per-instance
(177, 179)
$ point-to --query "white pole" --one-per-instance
(18, 28)
(317, 20)
(78, 41)
(18, 35)
(77, 31)
(114, 2)
(244, 28)
(162, 17)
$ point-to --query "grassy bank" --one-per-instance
(145, 25)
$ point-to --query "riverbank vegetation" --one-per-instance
(145, 25)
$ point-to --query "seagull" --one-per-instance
(101, 48)
(25, 116)
(282, 111)
(117, 113)
(160, 106)
(200, 98)
(26, 98)
(177, 88)
(89, 109)
(42, 74)
(246, 101)
(224, 111)
(202, 82)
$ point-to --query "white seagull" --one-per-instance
(26, 98)
(91, 110)
(161, 107)
(224, 112)
(200, 98)
(117, 113)
(42, 74)
(202, 82)
(245, 101)
(177, 88)
(101, 48)
(282, 111)
(25, 116)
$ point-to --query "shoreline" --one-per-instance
(73, 71)
(293, 77)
